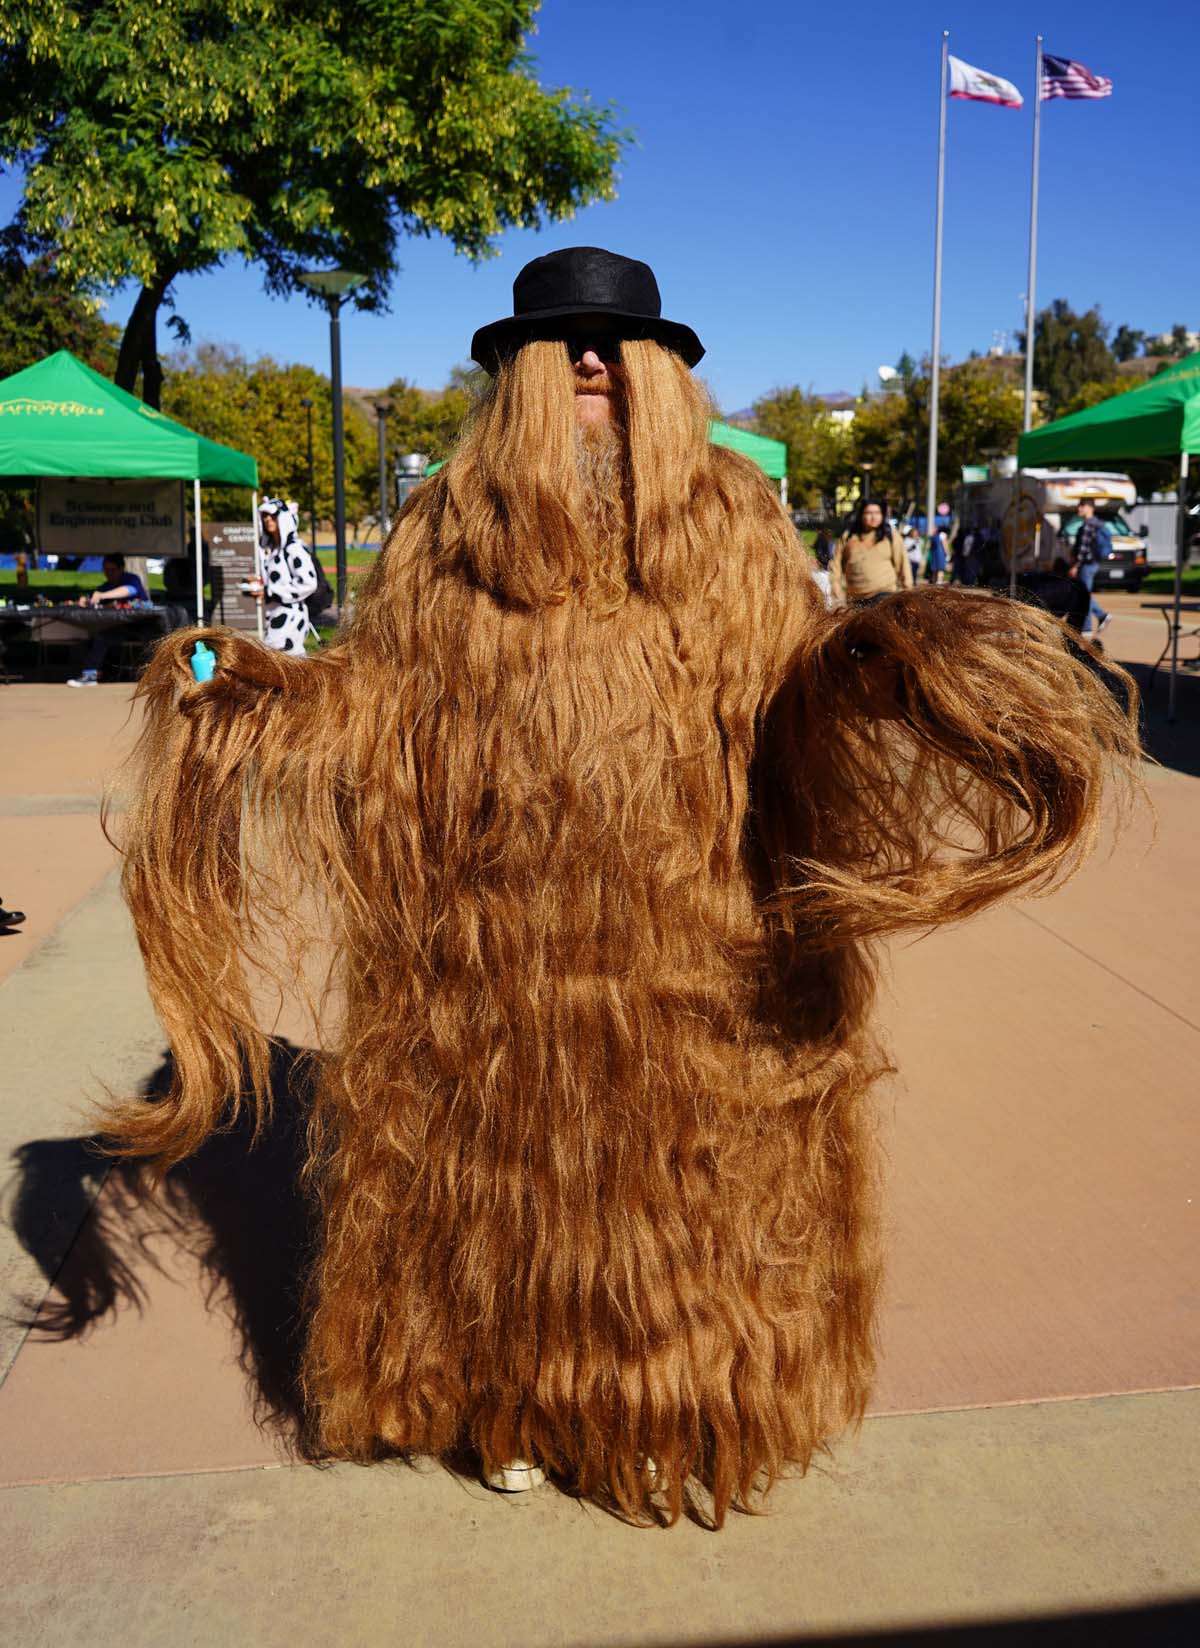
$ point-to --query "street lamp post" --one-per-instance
(307, 404)
(866, 487)
(333, 287)
(410, 469)
(382, 408)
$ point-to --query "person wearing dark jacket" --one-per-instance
(1093, 544)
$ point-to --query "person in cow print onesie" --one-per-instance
(289, 577)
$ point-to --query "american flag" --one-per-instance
(1063, 77)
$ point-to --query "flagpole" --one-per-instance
(935, 363)
(1030, 310)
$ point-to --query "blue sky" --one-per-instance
(782, 187)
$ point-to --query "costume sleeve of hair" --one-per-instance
(222, 769)
(929, 754)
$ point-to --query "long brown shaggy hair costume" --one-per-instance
(605, 812)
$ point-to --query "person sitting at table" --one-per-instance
(118, 585)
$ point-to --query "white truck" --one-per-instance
(1044, 519)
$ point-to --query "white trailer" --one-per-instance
(1041, 523)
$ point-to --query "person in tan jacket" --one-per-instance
(870, 559)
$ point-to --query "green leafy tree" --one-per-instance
(1091, 394)
(889, 433)
(1180, 344)
(256, 406)
(39, 313)
(1069, 350)
(422, 421)
(906, 368)
(162, 139)
(1127, 343)
(979, 417)
(818, 459)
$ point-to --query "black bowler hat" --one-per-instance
(583, 280)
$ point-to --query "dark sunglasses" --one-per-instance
(578, 336)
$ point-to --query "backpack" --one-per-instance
(321, 598)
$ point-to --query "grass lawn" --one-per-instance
(42, 579)
(80, 582)
(1161, 581)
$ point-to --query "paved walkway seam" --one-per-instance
(1111, 971)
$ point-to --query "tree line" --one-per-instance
(258, 405)
(981, 408)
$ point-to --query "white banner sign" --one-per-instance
(111, 517)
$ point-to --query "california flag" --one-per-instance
(980, 86)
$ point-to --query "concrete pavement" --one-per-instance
(1042, 1216)
(985, 1515)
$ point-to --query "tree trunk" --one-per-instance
(139, 346)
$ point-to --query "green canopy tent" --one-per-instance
(770, 456)
(1160, 419)
(59, 417)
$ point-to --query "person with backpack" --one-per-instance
(869, 558)
(1093, 544)
(321, 598)
(291, 579)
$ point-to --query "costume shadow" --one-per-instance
(237, 1208)
(1174, 744)
(240, 1211)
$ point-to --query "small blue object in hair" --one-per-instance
(203, 662)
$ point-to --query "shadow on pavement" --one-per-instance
(1161, 1625)
(1174, 744)
(237, 1208)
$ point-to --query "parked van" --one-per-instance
(1045, 519)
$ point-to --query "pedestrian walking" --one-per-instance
(289, 577)
(966, 557)
(939, 558)
(870, 558)
(915, 551)
(1093, 544)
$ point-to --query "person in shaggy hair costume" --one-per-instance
(603, 813)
